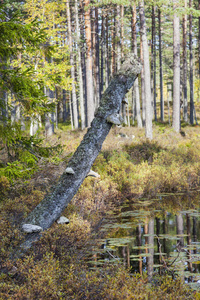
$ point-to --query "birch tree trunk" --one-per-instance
(51, 207)
(176, 69)
(147, 75)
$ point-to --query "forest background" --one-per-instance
(56, 60)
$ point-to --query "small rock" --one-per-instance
(63, 220)
(123, 135)
(115, 119)
(94, 174)
(30, 228)
(69, 171)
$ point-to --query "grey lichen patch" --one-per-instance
(115, 119)
(69, 171)
(30, 228)
(131, 66)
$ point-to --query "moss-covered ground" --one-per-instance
(130, 167)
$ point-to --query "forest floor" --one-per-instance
(130, 167)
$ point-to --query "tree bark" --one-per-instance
(74, 99)
(191, 69)
(176, 69)
(136, 94)
(89, 75)
(185, 103)
(161, 69)
(147, 75)
(80, 75)
(51, 207)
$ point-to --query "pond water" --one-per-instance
(155, 236)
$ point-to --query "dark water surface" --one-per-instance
(155, 236)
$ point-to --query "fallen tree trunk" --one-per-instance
(51, 207)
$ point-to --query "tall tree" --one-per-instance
(72, 63)
(80, 75)
(89, 64)
(176, 70)
(153, 61)
(185, 102)
(191, 69)
(135, 92)
(147, 76)
(160, 67)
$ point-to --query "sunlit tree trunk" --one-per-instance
(107, 65)
(161, 68)
(136, 95)
(89, 76)
(113, 38)
(72, 63)
(102, 53)
(185, 102)
(176, 70)
(153, 62)
(118, 36)
(191, 69)
(80, 75)
(147, 75)
(98, 93)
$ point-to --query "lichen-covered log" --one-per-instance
(51, 207)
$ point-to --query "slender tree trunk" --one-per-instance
(72, 63)
(179, 224)
(98, 91)
(80, 75)
(51, 207)
(188, 223)
(147, 76)
(161, 70)
(185, 102)
(153, 62)
(107, 54)
(89, 76)
(122, 31)
(113, 38)
(176, 69)
(136, 94)
(102, 53)
(191, 69)
(118, 35)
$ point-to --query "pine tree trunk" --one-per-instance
(51, 207)
(153, 62)
(191, 69)
(102, 53)
(72, 63)
(161, 70)
(89, 76)
(185, 102)
(150, 259)
(118, 36)
(80, 75)
(147, 76)
(107, 66)
(98, 92)
(136, 94)
(176, 69)
(113, 38)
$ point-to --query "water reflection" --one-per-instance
(154, 241)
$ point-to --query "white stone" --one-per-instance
(30, 228)
(115, 119)
(94, 174)
(63, 220)
(69, 171)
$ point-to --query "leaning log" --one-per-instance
(52, 206)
